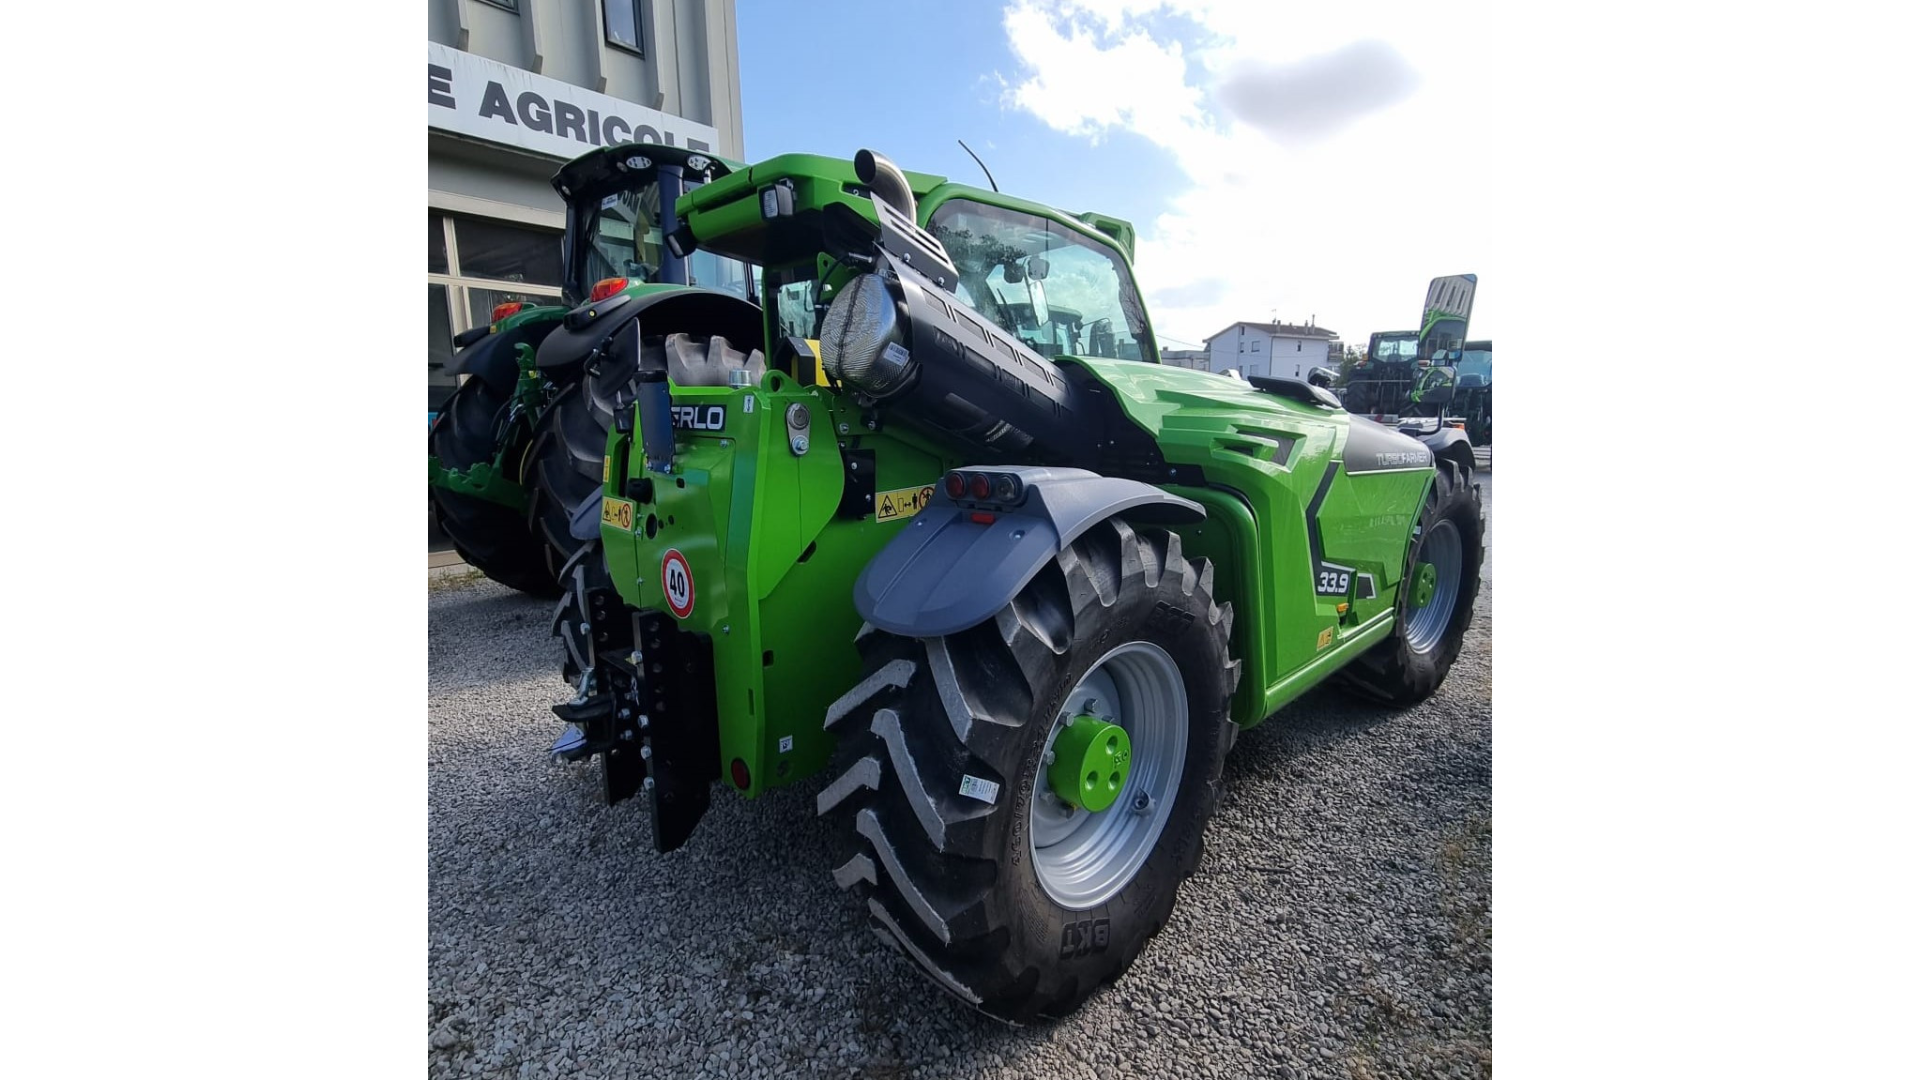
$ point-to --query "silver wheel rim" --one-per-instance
(1441, 547)
(1082, 858)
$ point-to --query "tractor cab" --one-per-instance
(620, 208)
(1062, 289)
(1381, 382)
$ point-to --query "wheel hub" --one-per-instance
(1090, 765)
(1425, 577)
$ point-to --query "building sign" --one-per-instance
(487, 100)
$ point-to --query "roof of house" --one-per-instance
(1280, 329)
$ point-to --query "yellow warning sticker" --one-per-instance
(1326, 639)
(617, 513)
(901, 503)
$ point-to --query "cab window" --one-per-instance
(1061, 293)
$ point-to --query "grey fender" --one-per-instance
(946, 571)
(583, 522)
(1451, 444)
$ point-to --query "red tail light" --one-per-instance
(979, 485)
(606, 287)
(501, 311)
(956, 485)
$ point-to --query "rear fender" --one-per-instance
(491, 359)
(961, 561)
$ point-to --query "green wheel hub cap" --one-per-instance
(1090, 760)
(1425, 577)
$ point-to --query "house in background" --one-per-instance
(1186, 358)
(1273, 348)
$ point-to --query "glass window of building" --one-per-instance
(623, 23)
(474, 265)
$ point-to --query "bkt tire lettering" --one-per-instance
(700, 417)
(1083, 938)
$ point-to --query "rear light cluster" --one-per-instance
(606, 287)
(1004, 489)
(501, 311)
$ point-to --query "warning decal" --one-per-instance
(676, 581)
(901, 503)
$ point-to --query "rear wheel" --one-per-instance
(1019, 802)
(1436, 597)
(492, 538)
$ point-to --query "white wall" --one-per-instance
(1265, 353)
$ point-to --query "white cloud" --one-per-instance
(1336, 155)
(1074, 85)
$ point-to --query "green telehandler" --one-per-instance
(1006, 584)
(489, 489)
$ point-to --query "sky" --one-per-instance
(1278, 160)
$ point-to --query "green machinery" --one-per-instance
(1413, 372)
(951, 545)
(494, 457)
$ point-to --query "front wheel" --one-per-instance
(1436, 597)
(1018, 803)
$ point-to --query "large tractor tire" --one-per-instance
(1436, 599)
(972, 851)
(492, 538)
(568, 455)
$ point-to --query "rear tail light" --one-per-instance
(501, 311)
(606, 287)
(1001, 489)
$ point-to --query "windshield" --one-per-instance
(625, 241)
(1476, 362)
(1394, 350)
(1058, 291)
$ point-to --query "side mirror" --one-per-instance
(1320, 377)
(1037, 268)
(1037, 296)
(1013, 273)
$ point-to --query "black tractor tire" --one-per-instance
(492, 538)
(950, 880)
(1395, 671)
(569, 453)
(565, 465)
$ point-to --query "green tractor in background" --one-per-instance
(1415, 373)
(490, 490)
(950, 536)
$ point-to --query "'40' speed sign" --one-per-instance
(676, 581)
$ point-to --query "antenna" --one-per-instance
(982, 164)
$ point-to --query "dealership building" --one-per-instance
(515, 88)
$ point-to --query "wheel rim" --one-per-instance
(1440, 548)
(1084, 858)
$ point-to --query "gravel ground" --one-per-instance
(1339, 925)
